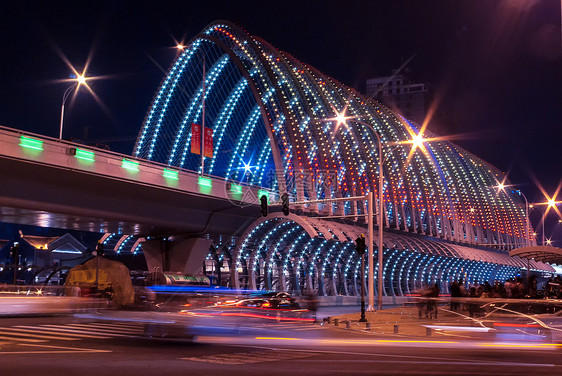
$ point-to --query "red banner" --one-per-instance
(208, 147)
(195, 138)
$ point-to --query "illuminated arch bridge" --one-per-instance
(268, 113)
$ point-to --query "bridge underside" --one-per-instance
(41, 195)
(297, 254)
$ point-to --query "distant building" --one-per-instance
(40, 259)
(400, 94)
(55, 250)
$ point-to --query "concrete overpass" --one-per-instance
(48, 182)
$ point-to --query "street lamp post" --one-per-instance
(380, 220)
(341, 119)
(542, 222)
(527, 226)
(416, 141)
(181, 47)
(203, 121)
(551, 203)
(79, 80)
(526, 220)
(380, 209)
(526, 230)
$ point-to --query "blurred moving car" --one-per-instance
(268, 300)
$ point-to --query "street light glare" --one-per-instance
(340, 118)
(501, 187)
(418, 140)
(81, 79)
(551, 203)
(180, 46)
(247, 167)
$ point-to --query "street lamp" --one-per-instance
(526, 217)
(79, 80)
(526, 229)
(501, 187)
(181, 47)
(550, 203)
(417, 141)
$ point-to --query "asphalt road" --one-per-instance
(84, 346)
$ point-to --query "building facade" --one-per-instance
(400, 94)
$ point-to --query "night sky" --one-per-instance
(496, 65)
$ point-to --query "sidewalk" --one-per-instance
(406, 318)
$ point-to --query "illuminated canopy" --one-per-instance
(552, 255)
(298, 253)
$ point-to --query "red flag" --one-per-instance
(195, 138)
(208, 142)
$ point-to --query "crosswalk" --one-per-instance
(104, 330)
(68, 332)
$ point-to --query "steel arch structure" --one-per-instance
(269, 114)
(297, 253)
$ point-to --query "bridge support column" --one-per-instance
(176, 254)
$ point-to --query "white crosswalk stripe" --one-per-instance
(72, 328)
(36, 330)
(69, 332)
(95, 328)
(35, 335)
(29, 340)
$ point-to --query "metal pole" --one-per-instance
(97, 272)
(370, 238)
(362, 319)
(203, 123)
(64, 98)
(16, 256)
(61, 120)
(526, 222)
(380, 218)
(527, 232)
(381, 208)
(543, 218)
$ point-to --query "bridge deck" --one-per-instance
(53, 183)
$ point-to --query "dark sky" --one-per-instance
(496, 65)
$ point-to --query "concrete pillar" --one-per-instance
(176, 254)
